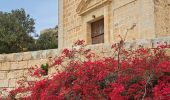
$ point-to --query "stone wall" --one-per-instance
(162, 17)
(129, 13)
(71, 22)
(14, 66)
(150, 18)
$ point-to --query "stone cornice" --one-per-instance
(82, 7)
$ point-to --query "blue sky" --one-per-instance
(45, 12)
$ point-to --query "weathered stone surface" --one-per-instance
(44, 54)
(49, 54)
(12, 83)
(10, 57)
(159, 41)
(52, 70)
(2, 57)
(12, 70)
(55, 52)
(133, 19)
(15, 74)
(144, 43)
(5, 66)
(3, 75)
(27, 56)
(36, 55)
(19, 65)
(32, 63)
(18, 56)
(162, 17)
(3, 83)
(44, 61)
(107, 47)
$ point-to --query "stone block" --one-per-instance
(36, 55)
(3, 75)
(27, 56)
(14, 65)
(55, 52)
(19, 65)
(32, 63)
(23, 64)
(26, 72)
(144, 43)
(49, 53)
(3, 83)
(5, 66)
(2, 58)
(128, 45)
(106, 47)
(158, 42)
(95, 47)
(108, 54)
(18, 56)
(12, 83)
(44, 54)
(15, 74)
(10, 57)
(44, 61)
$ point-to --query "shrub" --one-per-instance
(48, 39)
(15, 29)
(127, 75)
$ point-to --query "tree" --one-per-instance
(48, 39)
(15, 29)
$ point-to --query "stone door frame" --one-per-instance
(96, 14)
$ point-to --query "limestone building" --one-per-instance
(102, 21)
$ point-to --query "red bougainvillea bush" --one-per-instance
(140, 74)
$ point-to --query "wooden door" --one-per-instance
(97, 31)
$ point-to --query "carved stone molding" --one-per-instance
(87, 5)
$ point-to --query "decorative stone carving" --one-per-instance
(87, 5)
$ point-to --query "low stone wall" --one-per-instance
(105, 49)
(14, 66)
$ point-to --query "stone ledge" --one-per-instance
(25, 56)
(12, 69)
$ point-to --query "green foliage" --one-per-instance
(15, 28)
(45, 68)
(47, 40)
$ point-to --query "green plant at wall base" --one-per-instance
(45, 68)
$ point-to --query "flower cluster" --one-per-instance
(137, 74)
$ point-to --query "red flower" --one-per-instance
(79, 42)
(165, 66)
(117, 89)
(66, 52)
